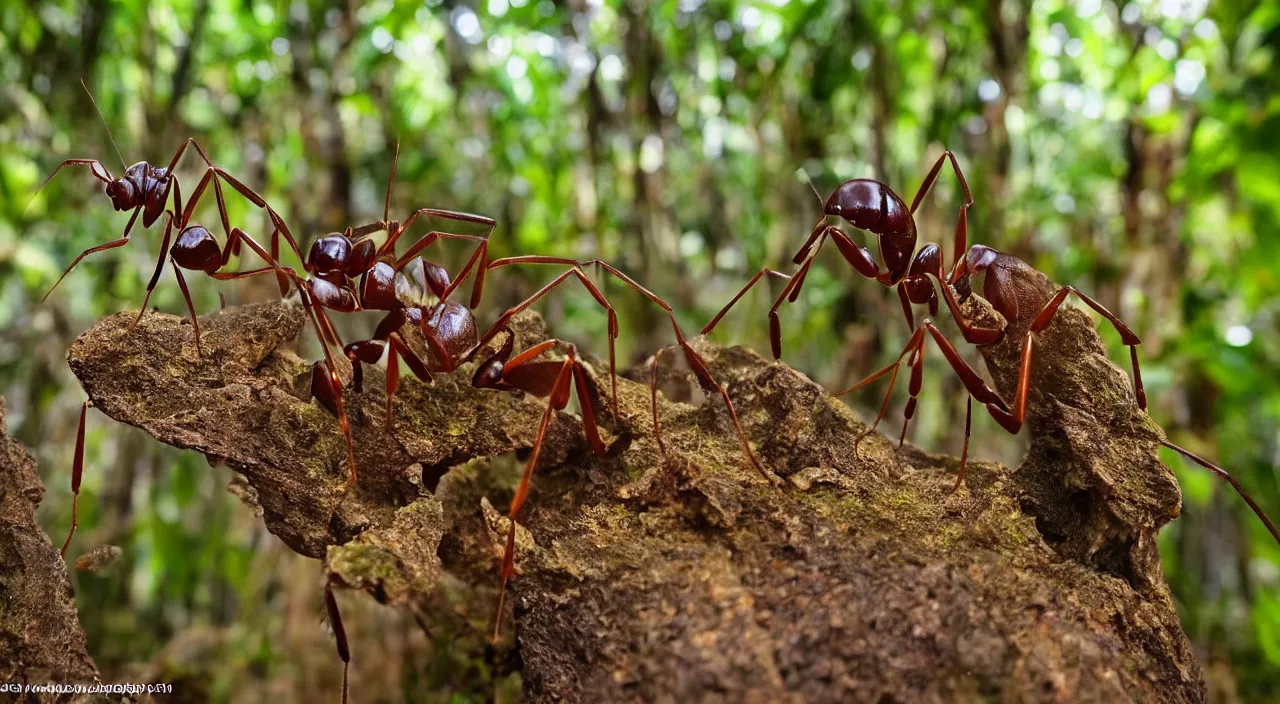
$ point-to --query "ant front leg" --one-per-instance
(122, 241)
(97, 168)
(858, 257)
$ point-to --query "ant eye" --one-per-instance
(836, 208)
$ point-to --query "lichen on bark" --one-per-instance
(683, 575)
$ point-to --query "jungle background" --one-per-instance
(1126, 148)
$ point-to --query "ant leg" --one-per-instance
(1013, 421)
(972, 381)
(723, 311)
(859, 257)
(1257, 510)
(339, 634)
(964, 453)
(490, 223)
(791, 291)
(703, 373)
(933, 178)
(962, 227)
(155, 278)
(696, 363)
(124, 239)
(1126, 335)
(481, 254)
(261, 202)
(916, 341)
(368, 352)
(584, 386)
(972, 334)
(416, 365)
(77, 472)
(574, 270)
(557, 399)
(97, 168)
(191, 141)
(906, 306)
(186, 294)
(428, 239)
(806, 250)
(913, 388)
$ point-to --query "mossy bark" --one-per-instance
(683, 575)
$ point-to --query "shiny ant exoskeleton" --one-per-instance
(873, 206)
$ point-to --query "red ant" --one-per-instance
(145, 189)
(872, 206)
(450, 332)
(337, 261)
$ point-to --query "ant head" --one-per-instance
(328, 253)
(976, 261)
(861, 202)
(123, 194)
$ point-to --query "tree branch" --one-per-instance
(683, 575)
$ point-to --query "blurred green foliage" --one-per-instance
(1128, 149)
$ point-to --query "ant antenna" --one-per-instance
(104, 122)
(395, 162)
(802, 173)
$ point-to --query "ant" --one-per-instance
(347, 273)
(450, 335)
(873, 206)
(145, 189)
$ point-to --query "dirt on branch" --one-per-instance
(683, 575)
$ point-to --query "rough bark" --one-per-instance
(41, 641)
(683, 576)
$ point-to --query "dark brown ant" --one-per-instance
(143, 188)
(347, 273)
(872, 206)
(449, 332)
